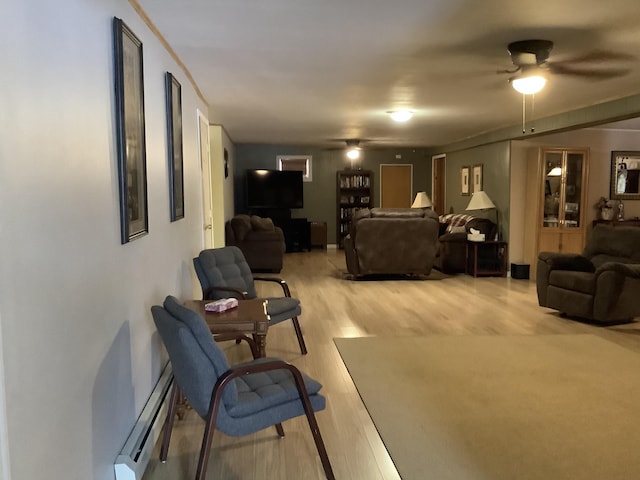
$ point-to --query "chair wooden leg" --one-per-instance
(322, 451)
(311, 418)
(296, 326)
(207, 438)
(280, 430)
(168, 422)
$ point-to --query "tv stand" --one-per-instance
(297, 234)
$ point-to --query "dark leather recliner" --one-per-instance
(602, 284)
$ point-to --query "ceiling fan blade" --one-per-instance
(596, 56)
(595, 74)
(506, 70)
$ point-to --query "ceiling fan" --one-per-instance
(531, 61)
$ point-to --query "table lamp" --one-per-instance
(481, 201)
(422, 200)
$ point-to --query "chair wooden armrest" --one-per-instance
(283, 284)
(242, 294)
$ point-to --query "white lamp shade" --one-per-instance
(422, 200)
(480, 201)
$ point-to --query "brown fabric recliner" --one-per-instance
(392, 241)
(602, 284)
(260, 241)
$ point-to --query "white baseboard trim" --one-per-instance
(135, 455)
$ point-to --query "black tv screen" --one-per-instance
(274, 189)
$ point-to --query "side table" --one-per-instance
(487, 259)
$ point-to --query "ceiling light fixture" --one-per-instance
(528, 81)
(401, 115)
(353, 153)
(353, 149)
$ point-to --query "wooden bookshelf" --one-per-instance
(354, 190)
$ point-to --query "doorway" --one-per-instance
(438, 178)
(205, 166)
(396, 185)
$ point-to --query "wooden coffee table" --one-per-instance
(249, 318)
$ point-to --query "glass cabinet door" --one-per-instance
(552, 189)
(562, 188)
(573, 189)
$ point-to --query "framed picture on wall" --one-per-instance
(130, 136)
(477, 178)
(174, 142)
(464, 181)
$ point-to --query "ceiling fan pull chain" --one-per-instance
(533, 107)
(524, 106)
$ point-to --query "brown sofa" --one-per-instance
(454, 227)
(261, 243)
(602, 284)
(392, 241)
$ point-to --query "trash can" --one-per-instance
(520, 271)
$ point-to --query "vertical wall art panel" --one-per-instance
(130, 132)
(174, 135)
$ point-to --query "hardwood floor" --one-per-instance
(337, 307)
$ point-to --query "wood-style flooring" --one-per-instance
(334, 306)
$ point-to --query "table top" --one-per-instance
(248, 317)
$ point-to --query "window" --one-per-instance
(300, 163)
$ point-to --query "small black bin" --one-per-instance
(520, 271)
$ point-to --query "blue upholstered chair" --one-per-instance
(224, 272)
(237, 400)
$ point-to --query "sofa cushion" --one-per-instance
(261, 224)
(397, 213)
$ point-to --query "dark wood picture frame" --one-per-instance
(625, 175)
(130, 133)
(174, 143)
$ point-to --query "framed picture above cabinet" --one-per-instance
(625, 175)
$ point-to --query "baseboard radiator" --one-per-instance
(135, 455)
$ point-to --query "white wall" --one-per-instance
(80, 351)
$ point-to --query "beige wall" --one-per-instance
(600, 143)
(80, 352)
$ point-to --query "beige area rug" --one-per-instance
(546, 407)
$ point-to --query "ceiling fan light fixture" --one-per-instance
(401, 116)
(353, 153)
(528, 83)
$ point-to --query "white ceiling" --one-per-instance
(311, 72)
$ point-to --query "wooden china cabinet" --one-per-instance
(556, 201)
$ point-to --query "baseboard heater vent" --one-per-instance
(135, 455)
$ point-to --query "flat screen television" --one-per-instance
(274, 189)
